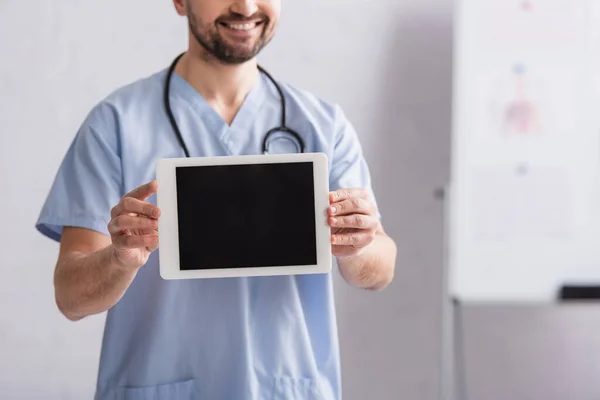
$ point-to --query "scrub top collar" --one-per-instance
(245, 117)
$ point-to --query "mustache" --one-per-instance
(258, 16)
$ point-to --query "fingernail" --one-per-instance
(334, 221)
(332, 209)
(155, 212)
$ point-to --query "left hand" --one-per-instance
(352, 217)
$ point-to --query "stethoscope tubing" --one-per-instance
(283, 128)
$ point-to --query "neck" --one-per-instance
(223, 86)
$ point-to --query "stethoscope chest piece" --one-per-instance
(282, 140)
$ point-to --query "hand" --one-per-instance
(352, 217)
(134, 227)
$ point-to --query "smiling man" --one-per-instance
(217, 339)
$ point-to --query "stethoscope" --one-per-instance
(292, 135)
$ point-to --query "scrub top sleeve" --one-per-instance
(349, 169)
(89, 179)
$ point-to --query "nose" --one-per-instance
(244, 7)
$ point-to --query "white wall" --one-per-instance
(389, 64)
(386, 62)
(531, 353)
(57, 58)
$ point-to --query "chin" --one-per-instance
(240, 55)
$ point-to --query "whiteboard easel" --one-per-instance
(522, 209)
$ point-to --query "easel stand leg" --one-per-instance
(447, 387)
(452, 371)
(453, 356)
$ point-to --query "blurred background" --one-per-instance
(478, 119)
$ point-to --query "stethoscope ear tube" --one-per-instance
(167, 104)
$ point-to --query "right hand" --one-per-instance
(133, 227)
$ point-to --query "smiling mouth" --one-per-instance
(241, 26)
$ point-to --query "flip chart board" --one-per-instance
(524, 197)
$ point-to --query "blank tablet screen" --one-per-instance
(254, 215)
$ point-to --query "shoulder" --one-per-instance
(141, 88)
(127, 99)
(103, 125)
(324, 112)
(325, 124)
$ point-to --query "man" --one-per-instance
(217, 339)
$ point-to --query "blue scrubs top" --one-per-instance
(272, 338)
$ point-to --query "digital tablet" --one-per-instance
(235, 216)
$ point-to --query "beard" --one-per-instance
(208, 37)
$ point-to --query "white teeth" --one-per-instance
(242, 27)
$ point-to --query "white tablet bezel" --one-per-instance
(166, 197)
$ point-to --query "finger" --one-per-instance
(153, 246)
(136, 241)
(356, 205)
(123, 222)
(149, 232)
(346, 194)
(144, 191)
(356, 239)
(355, 221)
(345, 251)
(131, 205)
